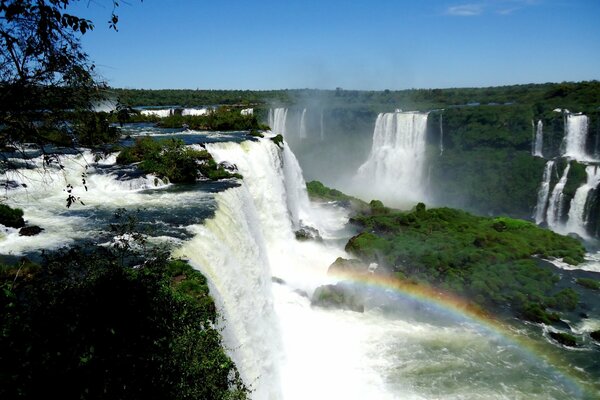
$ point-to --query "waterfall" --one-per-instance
(230, 251)
(555, 205)
(542, 200)
(577, 211)
(576, 131)
(302, 133)
(441, 134)
(158, 113)
(539, 139)
(322, 126)
(277, 120)
(195, 111)
(393, 171)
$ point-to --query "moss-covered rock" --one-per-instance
(588, 283)
(340, 295)
(565, 339)
(11, 217)
(342, 267)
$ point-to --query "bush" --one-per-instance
(86, 326)
(11, 217)
(171, 159)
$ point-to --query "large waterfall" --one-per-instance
(576, 128)
(394, 170)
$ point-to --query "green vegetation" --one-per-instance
(11, 217)
(486, 259)
(564, 338)
(171, 159)
(589, 283)
(85, 325)
(221, 119)
(581, 96)
(278, 140)
(318, 191)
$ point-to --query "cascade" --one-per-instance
(577, 211)
(277, 120)
(542, 200)
(576, 131)
(539, 138)
(302, 133)
(393, 171)
(555, 205)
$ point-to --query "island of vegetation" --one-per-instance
(494, 262)
(170, 159)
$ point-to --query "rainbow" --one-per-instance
(576, 380)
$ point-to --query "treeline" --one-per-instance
(580, 96)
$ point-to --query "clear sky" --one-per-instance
(353, 44)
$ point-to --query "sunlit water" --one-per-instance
(241, 236)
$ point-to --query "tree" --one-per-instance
(46, 79)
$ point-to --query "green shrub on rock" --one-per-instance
(11, 217)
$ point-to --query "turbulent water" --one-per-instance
(394, 171)
(241, 236)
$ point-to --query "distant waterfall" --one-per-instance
(394, 170)
(277, 120)
(576, 127)
(441, 134)
(543, 193)
(539, 139)
(302, 132)
(322, 126)
(555, 205)
(577, 210)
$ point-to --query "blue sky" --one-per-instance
(353, 44)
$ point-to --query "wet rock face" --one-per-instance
(341, 295)
(307, 233)
(30, 230)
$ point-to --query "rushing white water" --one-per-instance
(577, 211)
(576, 127)
(539, 139)
(302, 132)
(277, 120)
(158, 113)
(230, 250)
(543, 193)
(393, 171)
(555, 205)
(195, 111)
